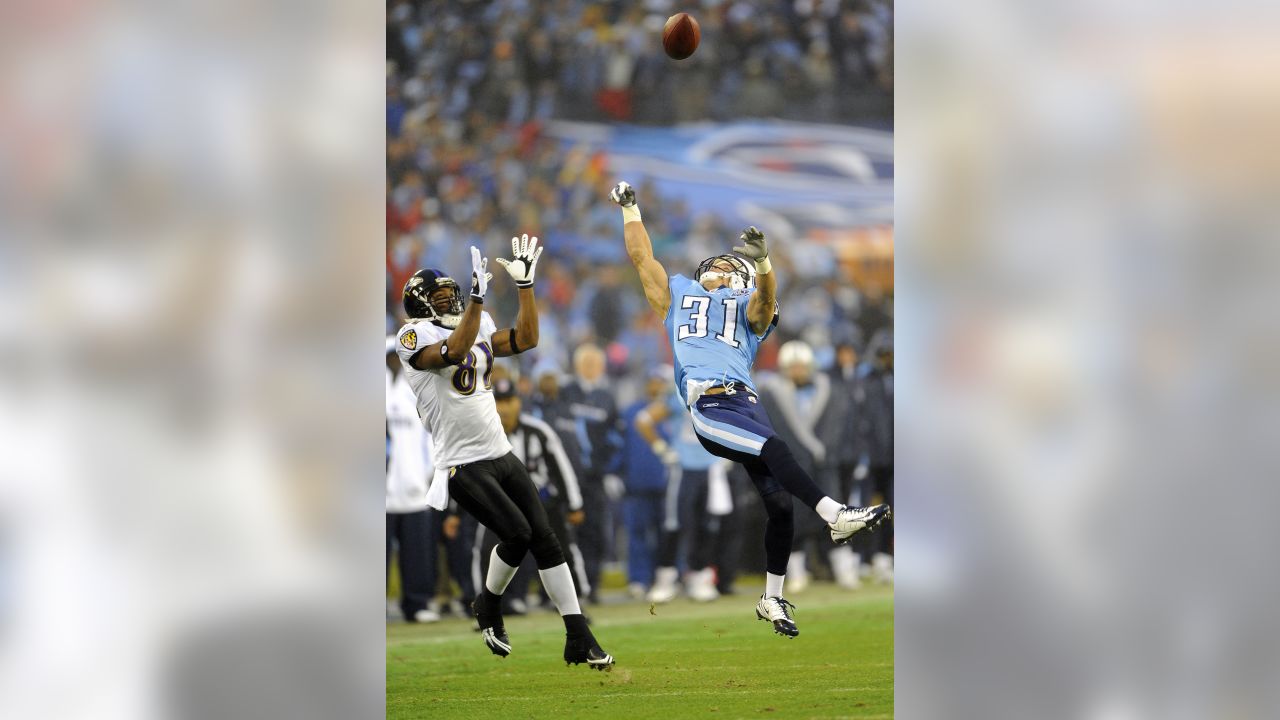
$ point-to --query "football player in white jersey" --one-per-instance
(448, 354)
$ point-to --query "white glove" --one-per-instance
(480, 276)
(525, 253)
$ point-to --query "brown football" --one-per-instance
(680, 36)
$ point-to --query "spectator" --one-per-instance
(811, 418)
(592, 406)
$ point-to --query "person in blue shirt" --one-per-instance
(715, 322)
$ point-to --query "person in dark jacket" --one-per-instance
(814, 421)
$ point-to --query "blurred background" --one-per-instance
(512, 117)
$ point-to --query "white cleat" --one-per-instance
(778, 611)
(702, 586)
(852, 520)
(426, 615)
(664, 588)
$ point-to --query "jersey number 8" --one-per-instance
(697, 326)
(464, 378)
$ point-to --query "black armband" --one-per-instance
(444, 353)
(515, 349)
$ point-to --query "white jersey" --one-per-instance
(409, 468)
(456, 402)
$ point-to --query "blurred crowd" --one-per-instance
(518, 61)
(470, 87)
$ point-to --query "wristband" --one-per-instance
(763, 266)
(630, 214)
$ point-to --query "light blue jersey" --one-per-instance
(711, 338)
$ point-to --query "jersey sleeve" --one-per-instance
(675, 285)
(415, 336)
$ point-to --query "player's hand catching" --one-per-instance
(576, 517)
(753, 245)
(480, 276)
(623, 194)
(525, 253)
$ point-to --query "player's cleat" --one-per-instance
(491, 629)
(778, 610)
(852, 520)
(584, 649)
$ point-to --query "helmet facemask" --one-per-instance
(740, 277)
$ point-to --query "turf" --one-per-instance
(713, 660)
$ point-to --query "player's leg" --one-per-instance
(475, 487)
(779, 534)
(738, 424)
(581, 645)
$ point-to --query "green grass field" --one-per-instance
(713, 660)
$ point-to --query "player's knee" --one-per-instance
(517, 542)
(546, 550)
(778, 506)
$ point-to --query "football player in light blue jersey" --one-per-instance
(715, 322)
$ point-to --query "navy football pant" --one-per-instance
(736, 427)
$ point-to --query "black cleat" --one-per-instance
(491, 629)
(585, 649)
(778, 610)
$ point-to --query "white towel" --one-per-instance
(438, 493)
(719, 497)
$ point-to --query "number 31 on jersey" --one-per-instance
(697, 326)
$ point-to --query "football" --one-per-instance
(680, 36)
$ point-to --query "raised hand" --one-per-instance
(753, 245)
(623, 194)
(480, 276)
(525, 253)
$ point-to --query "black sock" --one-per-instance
(576, 625)
(492, 603)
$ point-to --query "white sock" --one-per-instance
(558, 582)
(773, 584)
(500, 574)
(828, 509)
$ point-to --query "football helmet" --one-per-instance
(417, 298)
(742, 276)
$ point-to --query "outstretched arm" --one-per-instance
(653, 277)
(524, 336)
(453, 349)
(763, 303)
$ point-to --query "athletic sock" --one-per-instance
(575, 625)
(773, 585)
(558, 582)
(499, 575)
(828, 509)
